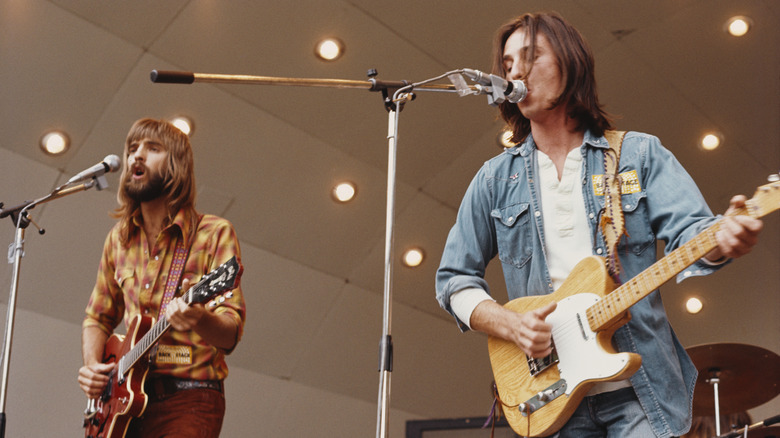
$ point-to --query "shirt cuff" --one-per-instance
(463, 303)
(718, 262)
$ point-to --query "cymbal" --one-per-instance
(749, 376)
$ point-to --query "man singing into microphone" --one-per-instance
(540, 206)
(159, 247)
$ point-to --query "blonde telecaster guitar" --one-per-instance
(540, 395)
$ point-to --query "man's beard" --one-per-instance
(145, 192)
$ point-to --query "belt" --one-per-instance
(164, 386)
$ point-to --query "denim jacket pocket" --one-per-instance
(639, 235)
(513, 233)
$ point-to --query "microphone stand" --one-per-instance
(21, 219)
(402, 94)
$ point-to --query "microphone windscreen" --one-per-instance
(172, 77)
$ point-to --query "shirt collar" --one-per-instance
(184, 222)
(597, 142)
(181, 222)
(527, 147)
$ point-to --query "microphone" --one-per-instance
(501, 89)
(109, 164)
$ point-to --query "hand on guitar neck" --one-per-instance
(738, 233)
(217, 330)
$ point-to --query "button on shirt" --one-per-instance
(567, 237)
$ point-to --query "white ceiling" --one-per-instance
(267, 156)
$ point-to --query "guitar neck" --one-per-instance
(149, 339)
(617, 302)
(621, 299)
(144, 344)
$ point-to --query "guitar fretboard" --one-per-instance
(147, 341)
(617, 302)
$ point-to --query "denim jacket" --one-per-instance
(501, 215)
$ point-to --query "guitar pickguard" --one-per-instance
(580, 356)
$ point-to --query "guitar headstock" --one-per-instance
(766, 199)
(226, 277)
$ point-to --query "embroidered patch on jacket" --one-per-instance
(174, 354)
(630, 183)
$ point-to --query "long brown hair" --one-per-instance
(575, 61)
(178, 173)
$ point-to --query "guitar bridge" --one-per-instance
(536, 402)
(537, 365)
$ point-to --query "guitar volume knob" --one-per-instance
(545, 395)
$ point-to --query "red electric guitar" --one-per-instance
(124, 399)
(540, 395)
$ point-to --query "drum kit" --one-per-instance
(734, 378)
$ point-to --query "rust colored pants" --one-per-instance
(193, 413)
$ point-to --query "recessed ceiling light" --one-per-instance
(693, 305)
(344, 192)
(185, 125)
(504, 138)
(711, 141)
(739, 25)
(55, 142)
(329, 49)
(413, 257)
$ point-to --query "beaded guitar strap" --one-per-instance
(180, 254)
(612, 222)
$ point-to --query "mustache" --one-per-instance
(136, 167)
(140, 168)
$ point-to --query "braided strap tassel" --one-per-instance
(612, 221)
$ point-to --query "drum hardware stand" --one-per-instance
(714, 380)
(743, 431)
(21, 219)
(403, 93)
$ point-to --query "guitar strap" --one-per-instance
(612, 222)
(180, 254)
